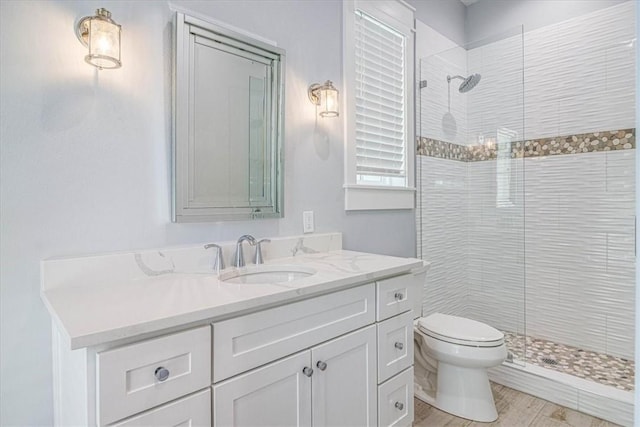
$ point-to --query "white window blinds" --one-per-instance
(380, 102)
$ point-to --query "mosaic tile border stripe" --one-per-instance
(601, 368)
(624, 139)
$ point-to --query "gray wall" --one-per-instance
(84, 157)
(487, 18)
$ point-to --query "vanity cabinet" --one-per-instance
(341, 358)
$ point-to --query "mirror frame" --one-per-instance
(186, 25)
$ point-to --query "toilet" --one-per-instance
(452, 355)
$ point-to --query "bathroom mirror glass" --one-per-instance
(228, 124)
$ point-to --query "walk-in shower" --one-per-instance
(526, 198)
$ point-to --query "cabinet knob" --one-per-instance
(307, 371)
(161, 373)
(321, 365)
(399, 405)
(398, 296)
(399, 345)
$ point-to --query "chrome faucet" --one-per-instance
(218, 261)
(238, 257)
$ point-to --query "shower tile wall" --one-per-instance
(443, 240)
(497, 101)
(579, 77)
(589, 207)
(496, 247)
(435, 71)
(577, 219)
(579, 237)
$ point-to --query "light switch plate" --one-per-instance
(307, 222)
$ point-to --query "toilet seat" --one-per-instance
(461, 331)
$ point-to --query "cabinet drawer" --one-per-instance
(249, 341)
(396, 295)
(395, 401)
(128, 377)
(192, 411)
(395, 345)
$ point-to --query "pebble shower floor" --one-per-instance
(601, 368)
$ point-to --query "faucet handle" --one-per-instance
(258, 245)
(218, 261)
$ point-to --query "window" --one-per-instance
(379, 133)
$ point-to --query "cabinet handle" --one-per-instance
(161, 373)
(398, 296)
(399, 405)
(307, 371)
(399, 345)
(321, 365)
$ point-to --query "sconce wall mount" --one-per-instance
(325, 97)
(101, 35)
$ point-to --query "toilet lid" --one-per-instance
(460, 330)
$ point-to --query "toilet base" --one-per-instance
(465, 393)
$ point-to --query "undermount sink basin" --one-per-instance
(263, 274)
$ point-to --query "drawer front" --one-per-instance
(129, 377)
(395, 401)
(395, 345)
(191, 411)
(249, 341)
(395, 295)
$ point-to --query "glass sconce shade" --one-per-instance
(102, 36)
(326, 98)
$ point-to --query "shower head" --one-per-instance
(468, 83)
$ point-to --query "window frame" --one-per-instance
(400, 16)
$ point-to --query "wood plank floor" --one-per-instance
(515, 409)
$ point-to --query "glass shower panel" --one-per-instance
(471, 217)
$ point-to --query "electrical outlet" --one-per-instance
(307, 222)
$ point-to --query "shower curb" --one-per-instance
(566, 390)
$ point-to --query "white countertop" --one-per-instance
(93, 315)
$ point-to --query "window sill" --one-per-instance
(368, 197)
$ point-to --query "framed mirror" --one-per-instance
(228, 124)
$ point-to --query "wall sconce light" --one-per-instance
(326, 97)
(102, 36)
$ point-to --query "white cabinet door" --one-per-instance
(275, 395)
(344, 380)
